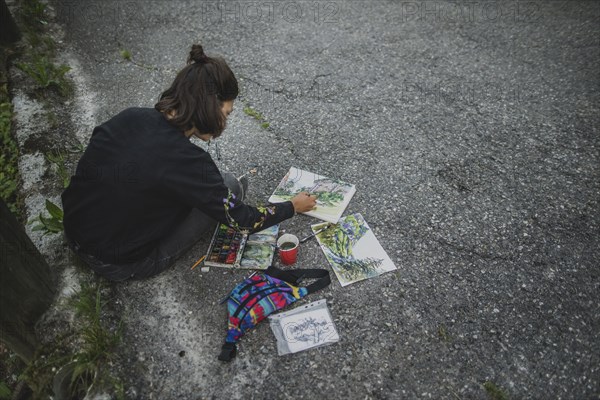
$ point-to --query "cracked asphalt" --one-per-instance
(470, 130)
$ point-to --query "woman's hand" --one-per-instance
(304, 202)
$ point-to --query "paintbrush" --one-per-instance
(316, 233)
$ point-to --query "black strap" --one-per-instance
(295, 276)
(228, 352)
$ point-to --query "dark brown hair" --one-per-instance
(198, 92)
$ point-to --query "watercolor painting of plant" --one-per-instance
(333, 195)
(352, 250)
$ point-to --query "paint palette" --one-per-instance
(226, 248)
(232, 249)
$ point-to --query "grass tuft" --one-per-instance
(126, 54)
(257, 116)
(89, 366)
(48, 75)
(494, 392)
(57, 158)
(253, 113)
(34, 15)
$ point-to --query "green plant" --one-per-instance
(52, 224)
(257, 116)
(76, 148)
(5, 393)
(78, 371)
(33, 18)
(39, 373)
(443, 333)
(126, 54)
(57, 158)
(42, 44)
(47, 75)
(494, 392)
(52, 120)
(9, 154)
(33, 14)
(98, 342)
(253, 113)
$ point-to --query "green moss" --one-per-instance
(494, 392)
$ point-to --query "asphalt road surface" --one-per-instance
(470, 130)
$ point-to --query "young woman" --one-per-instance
(143, 194)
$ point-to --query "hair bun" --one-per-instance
(197, 55)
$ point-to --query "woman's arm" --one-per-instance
(200, 185)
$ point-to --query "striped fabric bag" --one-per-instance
(262, 294)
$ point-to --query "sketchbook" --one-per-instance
(352, 249)
(260, 249)
(333, 195)
(303, 328)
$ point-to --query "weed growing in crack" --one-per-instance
(77, 374)
(33, 14)
(443, 333)
(48, 75)
(52, 120)
(126, 55)
(257, 116)
(9, 155)
(52, 224)
(98, 342)
(494, 392)
(57, 158)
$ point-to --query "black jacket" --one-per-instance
(138, 179)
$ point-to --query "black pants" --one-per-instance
(167, 251)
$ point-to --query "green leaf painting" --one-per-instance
(352, 250)
(333, 195)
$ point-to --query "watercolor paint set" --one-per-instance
(232, 249)
(226, 248)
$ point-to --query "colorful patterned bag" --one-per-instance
(262, 294)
